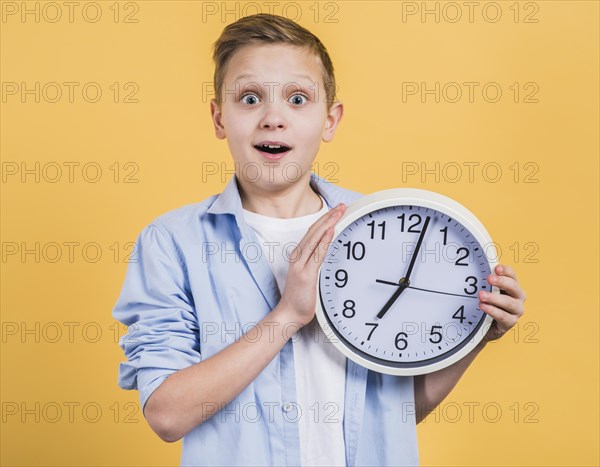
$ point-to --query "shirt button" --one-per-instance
(287, 407)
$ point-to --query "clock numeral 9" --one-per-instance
(343, 278)
(473, 284)
(436, 333)
(357, 250)
(401, 341)
(372, 225)
(349, 305)
(372, 330)
(412, 227)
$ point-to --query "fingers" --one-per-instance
(505, 303)
(507, 306)
(507, 282)
(317, 238)
(504, 270)
(504, 320)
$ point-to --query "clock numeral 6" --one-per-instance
(349, 305)
(401, 342)
(437, 334)
(357, 250)
(472, 282)
(342, 276)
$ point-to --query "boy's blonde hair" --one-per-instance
(267, 28)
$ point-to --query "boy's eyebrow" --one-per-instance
(250, 75)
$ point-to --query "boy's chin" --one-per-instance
(271, 177)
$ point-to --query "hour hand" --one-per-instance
(387, 282)
(403, 284)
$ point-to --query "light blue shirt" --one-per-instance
(196, 282)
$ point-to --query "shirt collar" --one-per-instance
(229, 201)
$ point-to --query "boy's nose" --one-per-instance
(273, 117)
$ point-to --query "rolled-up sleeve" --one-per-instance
(156, 305)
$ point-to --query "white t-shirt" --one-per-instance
(320, 368)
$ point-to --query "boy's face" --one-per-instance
(266, 99)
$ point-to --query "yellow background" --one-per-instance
(529, 399)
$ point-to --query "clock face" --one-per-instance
(398, 289)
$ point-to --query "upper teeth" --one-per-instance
(271, 145)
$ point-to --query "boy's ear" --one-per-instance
(333, 119)
(215, 112)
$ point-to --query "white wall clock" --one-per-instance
(398, 286)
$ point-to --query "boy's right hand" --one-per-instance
(299, 296)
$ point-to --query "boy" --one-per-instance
(223, 345)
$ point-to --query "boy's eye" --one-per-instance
(253, 100)
(297, 99)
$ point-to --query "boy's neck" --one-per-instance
(295, 200)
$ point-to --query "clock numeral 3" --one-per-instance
(401, 342)
(473, 284)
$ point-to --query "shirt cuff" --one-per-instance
(148, 381)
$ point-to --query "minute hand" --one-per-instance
(404, 282)
(416, 253)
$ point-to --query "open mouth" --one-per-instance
(272, 149)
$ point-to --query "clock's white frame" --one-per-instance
(411, 197)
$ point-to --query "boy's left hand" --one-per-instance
(507, 307)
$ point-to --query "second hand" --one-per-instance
(424, 290)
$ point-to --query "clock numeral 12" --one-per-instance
(411, 228)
